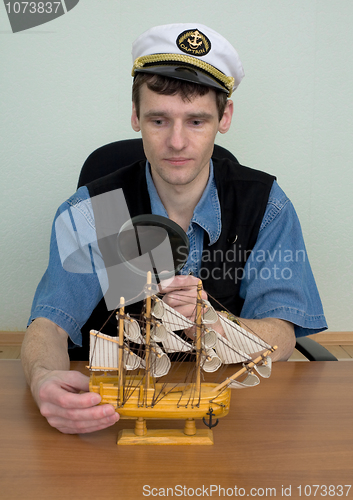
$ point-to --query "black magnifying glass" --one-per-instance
(153, 242)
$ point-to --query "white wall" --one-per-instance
(65, 90)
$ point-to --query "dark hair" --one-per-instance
(171, 86)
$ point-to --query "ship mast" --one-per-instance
(148, 332)
(121, 352)
(198, 335)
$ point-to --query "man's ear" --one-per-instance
(226, 119)
(135, 122)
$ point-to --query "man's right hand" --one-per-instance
(64, 400)
(61, 395)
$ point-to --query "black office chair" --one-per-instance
(313, 351)
(109, 158)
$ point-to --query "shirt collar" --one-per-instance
(207, 213)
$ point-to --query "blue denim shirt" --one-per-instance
(276, 281)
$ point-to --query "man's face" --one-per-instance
(178, 136)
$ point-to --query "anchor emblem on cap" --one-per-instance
(193, 41)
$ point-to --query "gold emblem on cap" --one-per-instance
(193, 42)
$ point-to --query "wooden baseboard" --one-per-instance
(333, 338)
(11, 338)
(327, 338)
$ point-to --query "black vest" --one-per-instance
(243, 195)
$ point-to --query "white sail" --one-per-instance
(210, 362)
(209, 339)
(240, 338)
(210, 315)
(159, 362)
(131, 360)
(227, 352)
(104, 354)
(251, 380)
(171, 319)
(159, 332)
(132, 330)
(173, 343)
(265, 367)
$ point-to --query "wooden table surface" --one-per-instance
(293, 430)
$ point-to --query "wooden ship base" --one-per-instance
(163, 401)
(166, 436)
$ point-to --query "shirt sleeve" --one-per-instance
(278, 281)
(71, 287)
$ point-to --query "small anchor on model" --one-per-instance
(210, 423)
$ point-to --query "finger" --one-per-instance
(68, 426)
(68, 400)
(62, 395)
(76, 380)
(183, 297)
(179, 282)
(50, 410)
(84, 430)
(72, 381)
(176, 298)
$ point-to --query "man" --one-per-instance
(245, 240)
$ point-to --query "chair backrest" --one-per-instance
(115, 155)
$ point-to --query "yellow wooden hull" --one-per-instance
(179, 402)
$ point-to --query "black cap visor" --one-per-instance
(183, 72)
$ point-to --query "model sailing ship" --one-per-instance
(143, 386)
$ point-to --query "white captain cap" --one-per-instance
(191, 52)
